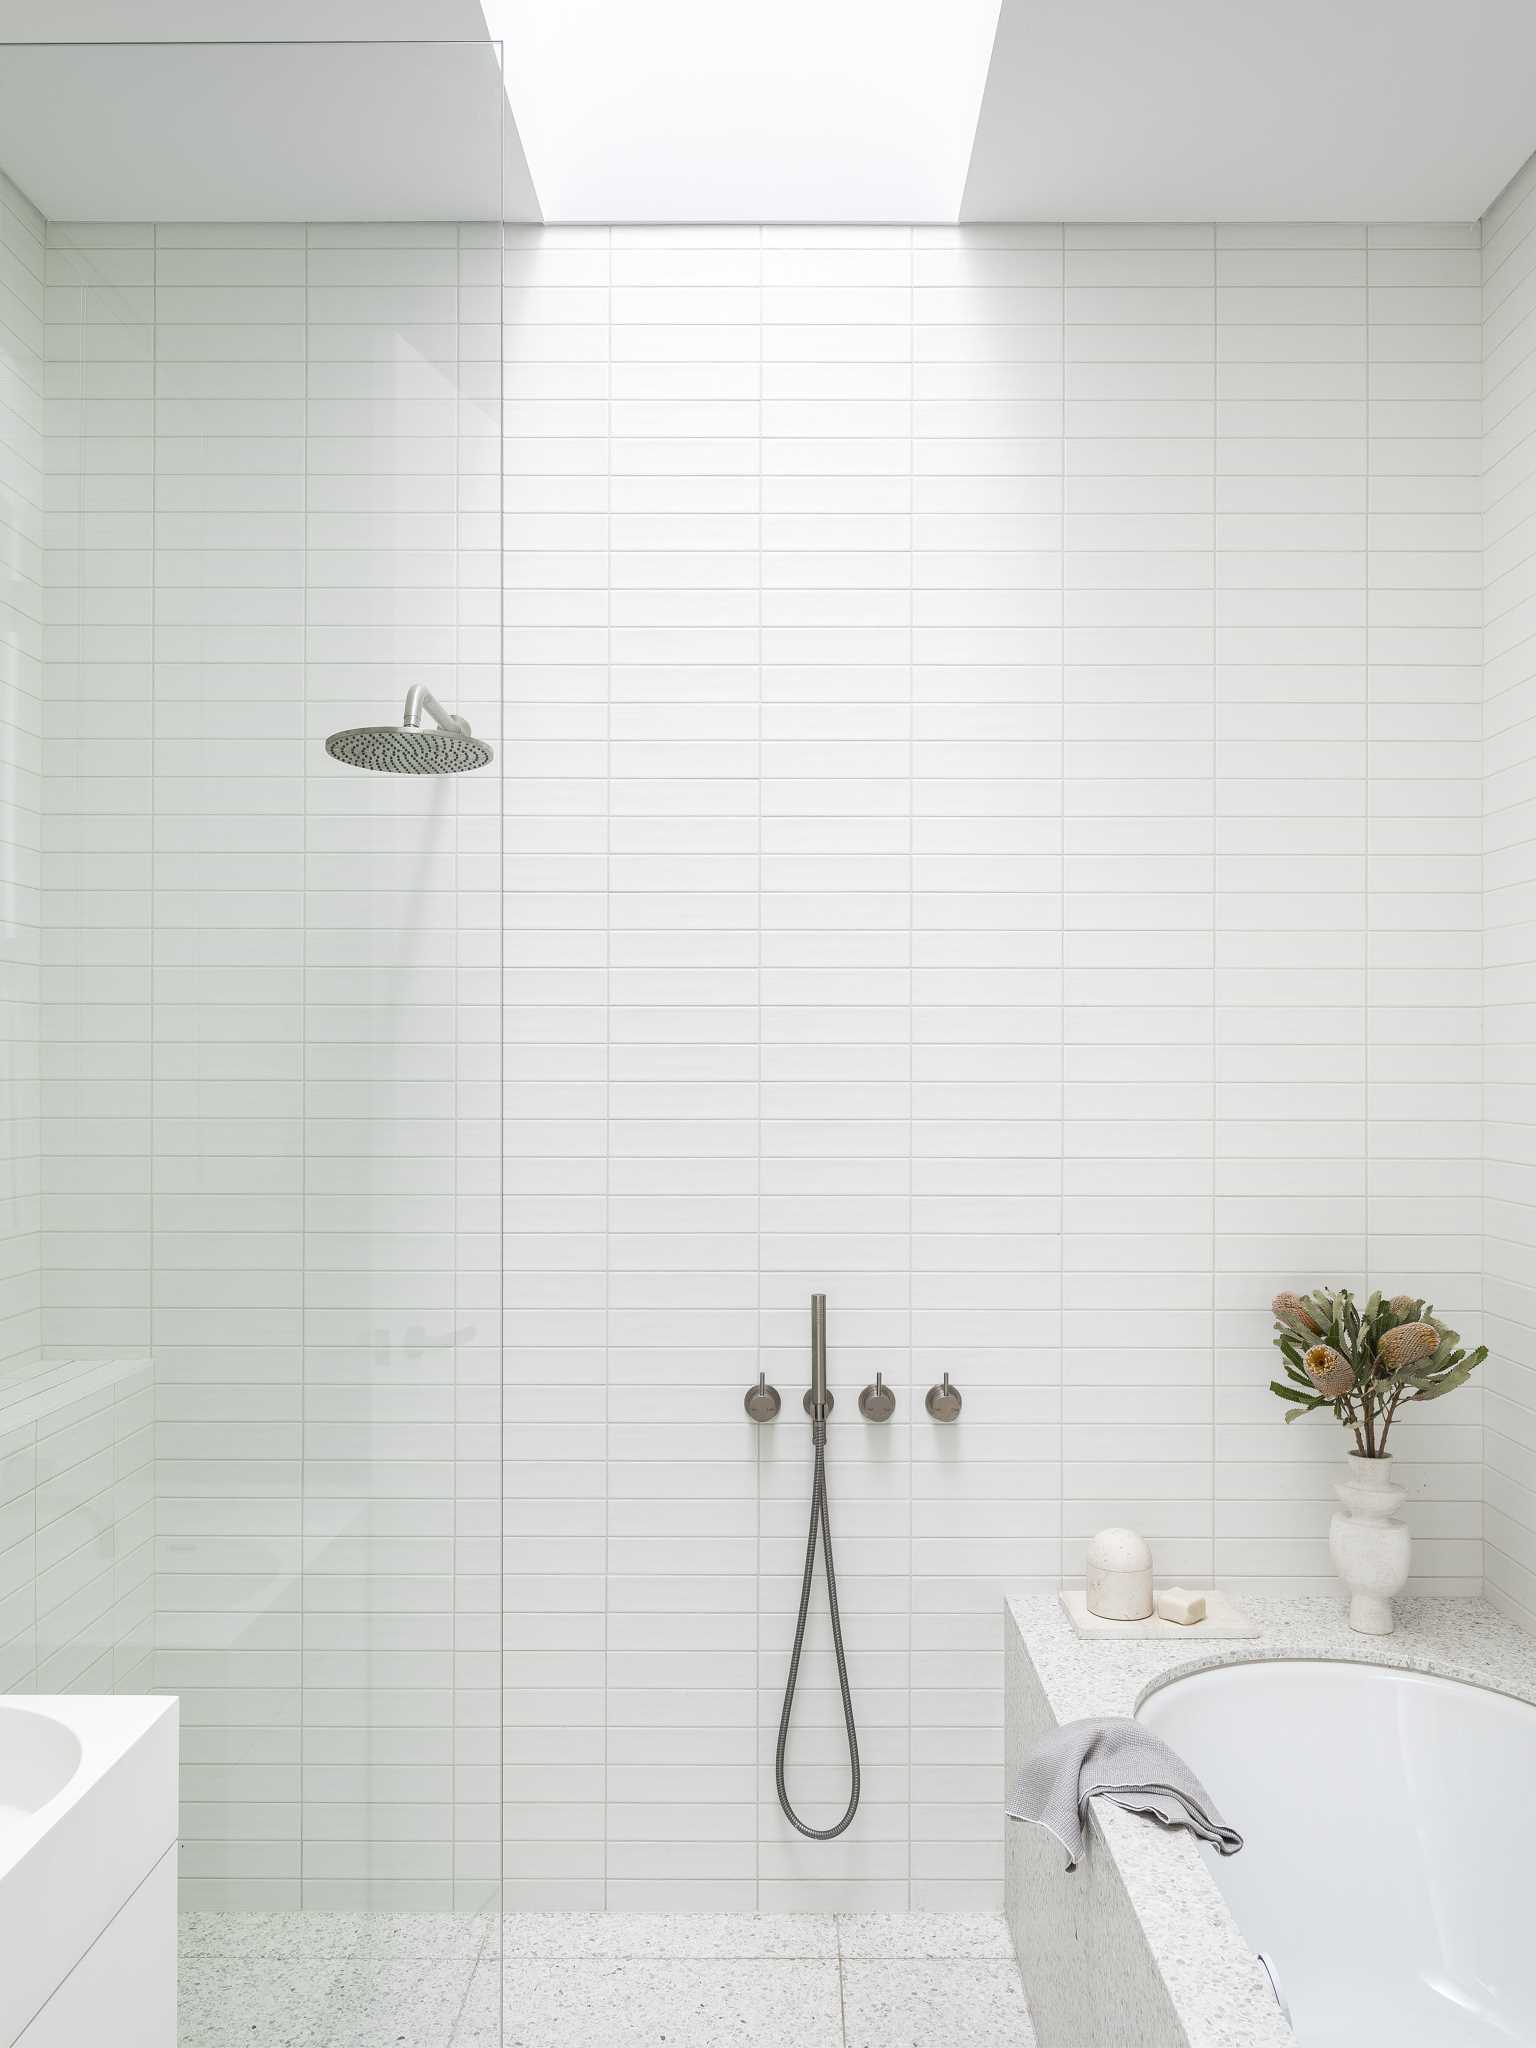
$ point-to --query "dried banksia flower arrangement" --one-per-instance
(1329, 1371)
(1363, 1363)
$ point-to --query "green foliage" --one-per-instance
(1332, 1317)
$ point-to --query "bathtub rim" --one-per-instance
(1201, 1667)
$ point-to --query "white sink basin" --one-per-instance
(87, 1871)
(38, 1757)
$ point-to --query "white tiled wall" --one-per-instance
(991, 774)
(21, 652)
(97, 792)
(1509, 500)
(993, 790)
(76, 1479)
(77, 1527)
(274, 1005)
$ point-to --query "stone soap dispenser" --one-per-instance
(1119, 1581)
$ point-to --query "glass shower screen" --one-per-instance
(255, 307)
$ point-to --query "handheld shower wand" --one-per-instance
(819, 1367)
(819, 1404)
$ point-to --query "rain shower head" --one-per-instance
(412, 748)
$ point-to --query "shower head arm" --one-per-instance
(418, 699)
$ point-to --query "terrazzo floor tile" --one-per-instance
(273, 1937)
(398, 2004)
(225, 2002)
(894, 2003)
(664, 1936)
(337, 1937)
(936, 1937)
(761, 2003)
(479, 2021)
(591, 1980)
(427, 1937)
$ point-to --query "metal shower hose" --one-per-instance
(819, 1520)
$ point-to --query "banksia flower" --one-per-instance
(1329, 1371)
(1407, 1344)
(1289, 1308)
(1389, 1350)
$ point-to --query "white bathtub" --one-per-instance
(1389, 1824)
(87, 1872)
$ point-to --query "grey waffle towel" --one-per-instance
(1118, 1760)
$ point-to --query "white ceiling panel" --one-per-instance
(807, 110)
(163, 21)
(1256, 110)
(323, 127)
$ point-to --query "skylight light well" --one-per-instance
(722, 110)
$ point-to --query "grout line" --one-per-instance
(607, 244)
(758, 1441)
(1367, 1277)
(453, 1062)
(912, 788)
(1213, 1546)
(303, 1330)
(499, 1344)
(1483, 1147)
(151, 1047)
(1061, 926)
(455, 1056)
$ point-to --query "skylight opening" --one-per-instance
(725, 110)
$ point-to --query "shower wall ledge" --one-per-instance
(42, 1387)
(77, 1509)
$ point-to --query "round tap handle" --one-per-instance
(877, 1403)
(943, 1402)
(762, 1401)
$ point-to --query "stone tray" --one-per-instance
(1224, 1622)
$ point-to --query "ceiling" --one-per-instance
(716, 110)
(1253, 109)
(159, 21)
(327, 126)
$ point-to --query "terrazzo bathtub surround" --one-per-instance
(1138, 1944)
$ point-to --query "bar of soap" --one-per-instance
(1177, 1603)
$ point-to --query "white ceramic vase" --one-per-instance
(1369, 1546)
